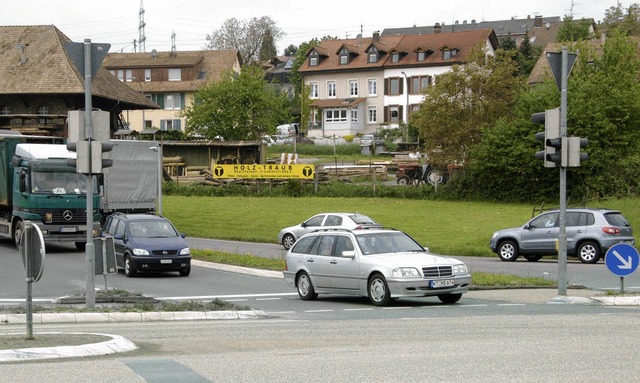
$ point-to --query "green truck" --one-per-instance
(36, 184)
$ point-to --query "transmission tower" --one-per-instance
(141, 36)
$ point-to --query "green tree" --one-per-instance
(238, 107)
(627, 21)
(463, 103)
(291, 50)
(574, 30)
(527, 56)
(268, 49)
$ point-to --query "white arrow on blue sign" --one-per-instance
(622, 259)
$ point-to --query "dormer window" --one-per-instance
(373, 55)
(422, 55)
(344, 56)
(395, 57)
(446, 54)
(313, 59)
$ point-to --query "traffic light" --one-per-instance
(81, 162)
(552, 153)
(97, 161)
(89, 158)
(574, 156)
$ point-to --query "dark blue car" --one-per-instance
(147, 243)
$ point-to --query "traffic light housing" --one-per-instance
(89, 158)
(552, 153)
(574, 156)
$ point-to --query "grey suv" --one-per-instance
(590, 233)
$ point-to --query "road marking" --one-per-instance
(164, 370)
(207, 297)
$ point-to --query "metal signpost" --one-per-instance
(622, 260)
(32, 252)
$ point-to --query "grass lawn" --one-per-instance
(446, 227)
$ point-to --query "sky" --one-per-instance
(116, 21)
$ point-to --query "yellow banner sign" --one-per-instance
(303, 171)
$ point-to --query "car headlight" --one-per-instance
(460, 269)
(185, 251)
(140, 252)
(405, 272)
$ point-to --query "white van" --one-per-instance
(288, 129)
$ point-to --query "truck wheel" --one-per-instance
(81, 246)
(17, 232)
(404, 180)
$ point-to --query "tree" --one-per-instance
(238, 107)
(626, 21)
(268, 49)
(572, 30)
(527, 56)
(246, 37)
(291, 50)
(463, 103)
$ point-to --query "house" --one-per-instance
(362, 85)
(41, 84)
(541, 30)
(170, 80)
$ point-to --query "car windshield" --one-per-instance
(152, 229)
(59, 183)
(363, 220)
(393, 242)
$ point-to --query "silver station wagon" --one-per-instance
(377, 263)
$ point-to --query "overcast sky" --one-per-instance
(116, 21)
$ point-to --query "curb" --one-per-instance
(116, 344)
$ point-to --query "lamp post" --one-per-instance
(406, 110)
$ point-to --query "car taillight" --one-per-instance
(357, 228)
(611, 230)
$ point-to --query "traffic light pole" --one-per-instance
(89, 249)
(562, 238)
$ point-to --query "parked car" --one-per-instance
(590, 233)
(147, 243)
(267, 139)
(377, 263)
(369, 139)
(288, 236)
(298, 140)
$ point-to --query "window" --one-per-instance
(373, 55)
(344, 57)
(4, 110)
(331, 89)
(313, 90)
(395, 57)
(394, 113)
(167, 125)
(173, 101)
(42, 110)
(354, 115)
(372, 87)
(422, 55)
(313, 59)
(121, 74)
(175, 74)
(128, 75)
(336, 115)
(147, 75)
(353, 88)
(419, 84)
(372, 115)
(394, 86)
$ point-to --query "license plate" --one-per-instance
(442, 283)
(165, 261)
(68, 229)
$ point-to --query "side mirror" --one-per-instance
(349, 254)
(183, 235)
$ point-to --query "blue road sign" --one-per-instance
(622, 259)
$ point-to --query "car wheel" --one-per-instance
(17, 232)
(288, 240)
(588, 252)
(533, 258)
(508, 251)
(305, 288)
(81, 246)
(404, 180)
(379, 290)
(129, 268)
(449, 298)
(185, 272)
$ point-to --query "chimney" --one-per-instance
(436, 28)
(537, 22)
(376, 36)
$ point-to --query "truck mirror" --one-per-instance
(23, 182)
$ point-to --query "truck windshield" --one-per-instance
(58, 183)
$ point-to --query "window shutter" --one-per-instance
(163, 125)
(160, 100)
(400, 86)
(400, 118)
(386, 114)
(386, 86)
(182, 100)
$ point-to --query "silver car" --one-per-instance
(289, 235)
(377, 263)
(590, 233)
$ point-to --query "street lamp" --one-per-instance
(406, 110)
